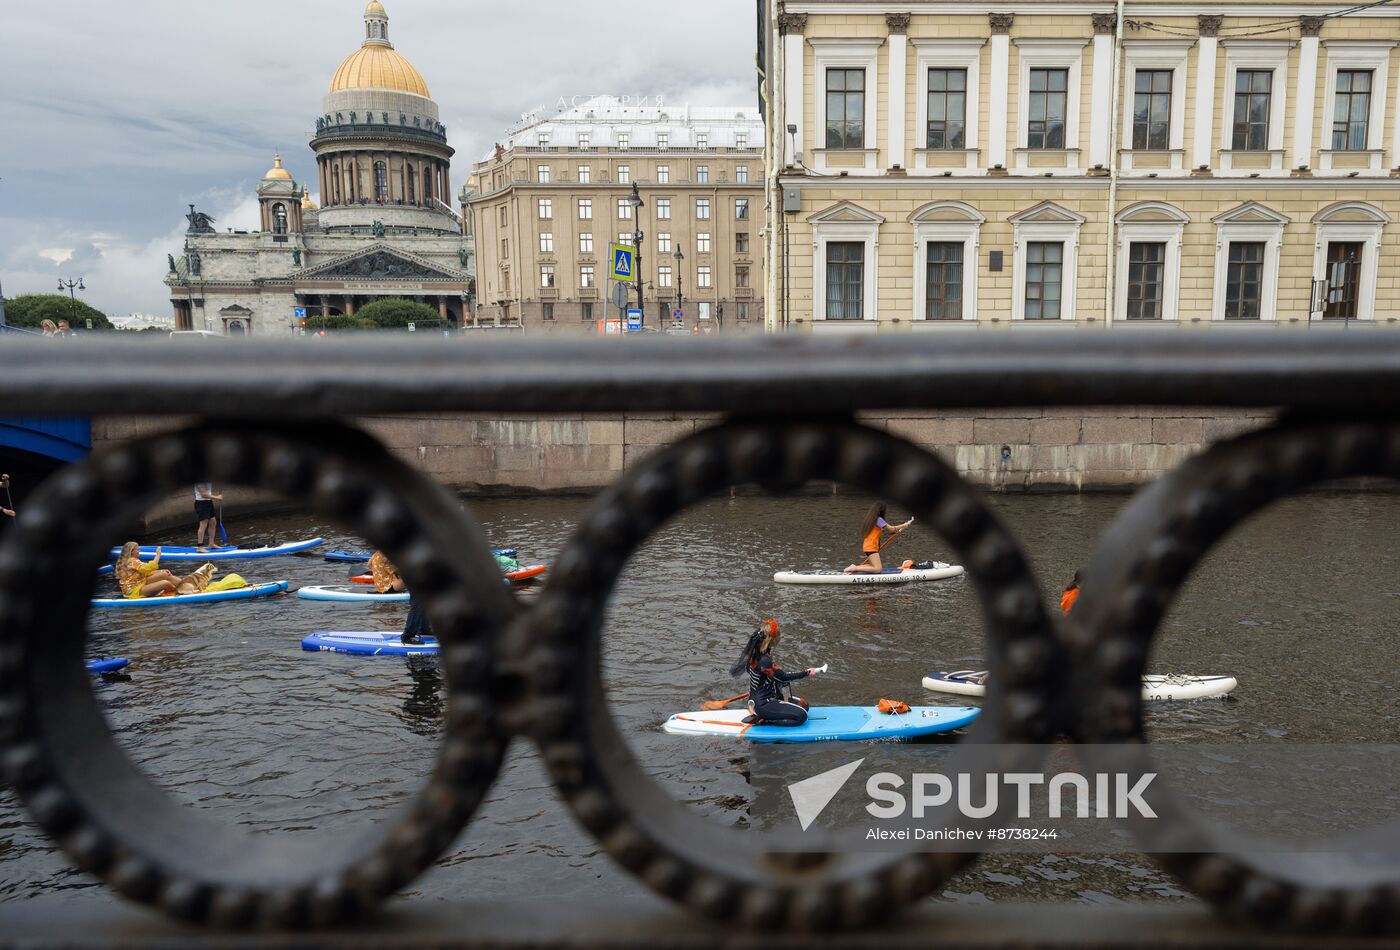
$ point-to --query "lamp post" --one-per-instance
(680, 258)
(636, 202)
(69, 286)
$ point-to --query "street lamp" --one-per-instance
(679, 259)
(636, 202)
(69, 285)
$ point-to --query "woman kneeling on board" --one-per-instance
(871, 533)
(387, 580)
(770, 699)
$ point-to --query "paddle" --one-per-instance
(223, 535)
(714, 704)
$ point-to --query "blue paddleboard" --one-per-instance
(367, 643)
(354, 557)
(235, 553)
(109, 665)
(241, 593)
(827, 724)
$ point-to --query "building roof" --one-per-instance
(277, 171)
(647, 123)
(377, 65)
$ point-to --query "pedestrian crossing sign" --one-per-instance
(623, 263)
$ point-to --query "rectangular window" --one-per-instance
(947, 108)
(505, 249)
(1044, 279)
(663, 242)
(624, 209)
(1244, 280)
(625, 238)
(702, 277)
(741, 209)
(663, 209)
(585, 275)
(584, 174)
(702, 242)
(624, 174)
(587, 310)
(743, 310)
(741, 242)
(546, 276)
(1351, 116)
(546, 242)
(624, 141)
(543, 139)
(1147, 264)
(741, 275)
(702, 209)
(741, 174)
(585, 242)
(1253, 92)
(943, 281)
(663, 276)
(1152, 109)
(583, 140)
(702, 174)
(546, 209)
(845, 280)
(542, 174)
(663, 140)
(702, 140)
(503, 210)
(1048, 106)
(547, 312)
(741, 140)
(1343, 280)
(585, 209)
(845, 108)
(663, 174)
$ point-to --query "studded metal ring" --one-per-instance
(58, 752)
(1140, 564)
(560, 699)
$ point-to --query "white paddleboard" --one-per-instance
(1155, 686)
(890, 575)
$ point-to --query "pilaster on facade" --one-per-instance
(1000, 105)
(791, 26)
(898, 26)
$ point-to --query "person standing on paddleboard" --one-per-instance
(871, 534)
(204, 499)
(1071, 596)
(388, 580)
(770, 698)
(5, 484)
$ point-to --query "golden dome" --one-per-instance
(379, 67)
(277, 171)
(375, 8)
(306, 203)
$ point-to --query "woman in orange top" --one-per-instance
(1071, 595)
(871, 534)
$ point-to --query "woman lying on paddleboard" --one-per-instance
(871, 535)
(770, 699)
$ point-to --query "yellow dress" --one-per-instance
(383, 571)
(132, 574)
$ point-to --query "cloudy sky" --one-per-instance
(118, 115)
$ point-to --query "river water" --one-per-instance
(223, 709)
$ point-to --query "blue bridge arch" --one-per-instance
(61, 439)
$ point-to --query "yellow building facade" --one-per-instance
(1070, 165)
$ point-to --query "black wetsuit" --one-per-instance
(416, 626)
(767, 698)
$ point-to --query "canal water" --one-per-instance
(224, 710)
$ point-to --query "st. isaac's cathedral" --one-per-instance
(385, 227)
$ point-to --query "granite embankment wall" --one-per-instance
(1001, 449)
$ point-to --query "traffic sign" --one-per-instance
(299, 312)
(412, 327)
(624, 262)
(678, 315)
(634, 319)
(89, 323)
(619, 296)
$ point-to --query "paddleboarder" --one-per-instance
(770, 697)
(204, 499)
(1071, 595)
(388, 580)
(5, 484)
(871, 534)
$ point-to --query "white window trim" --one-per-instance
(1367, 232)
(1049, 54)
(948, 54)
(1155, 55)
(1027, 232)
(1271, 233)
(1255, 54)
(867, 232)
(1167, 232)
(840, 53)
(947, 228)
(1356, 54)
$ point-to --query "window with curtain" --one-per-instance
(1044, 279)
(1244, 280)
(1147, 263)
(943, 280)
(1351, 116)
(845, 280)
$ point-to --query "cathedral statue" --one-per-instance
(296, 256)
(171, 259)
(200, 223)
(462, 256)
(377, 229)
(195, 263)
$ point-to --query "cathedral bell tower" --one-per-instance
(279, 200)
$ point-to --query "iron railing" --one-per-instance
(272, 418)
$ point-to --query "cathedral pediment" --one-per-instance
(379, 263)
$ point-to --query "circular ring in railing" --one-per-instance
(1138, 568)
(56, 748)
(722, 872)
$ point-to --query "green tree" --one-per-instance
(397, 314)
(338, 322)
(29, 310)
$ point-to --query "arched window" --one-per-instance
(336, 175)
(412, 187)
(279, 219)
(381, 182)
(427, 186)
